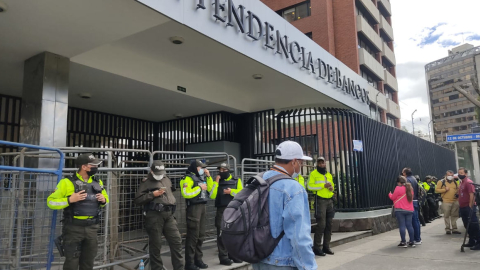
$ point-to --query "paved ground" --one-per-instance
(211, 253)
(438, 251)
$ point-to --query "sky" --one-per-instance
(424, 31)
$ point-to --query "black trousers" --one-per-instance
(196, 218)
(80, 244)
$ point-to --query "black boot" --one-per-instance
(328, 251)
(226, 262)
(191, 267)
(201, 265)
(318, 252)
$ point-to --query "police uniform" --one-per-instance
(196, 200)
(81, 219)
(159, 217)
(431, 198)
(324, 212)
(221, 201)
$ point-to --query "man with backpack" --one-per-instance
(407, 172)
(448, 188)
(268, 222)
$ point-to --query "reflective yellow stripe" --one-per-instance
(213, 188)
(191, 193)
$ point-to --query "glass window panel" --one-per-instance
(301, 11)
(289, 14)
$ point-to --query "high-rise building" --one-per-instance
(359, 33)
(452, 112)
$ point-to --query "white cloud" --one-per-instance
(424, 31)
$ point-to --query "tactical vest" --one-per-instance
(90, 206)
(223, 200)
(198, 199)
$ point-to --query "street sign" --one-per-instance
(463, 137)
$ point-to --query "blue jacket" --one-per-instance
(414, 184)
(289, 212)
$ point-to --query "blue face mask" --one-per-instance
(201, 171)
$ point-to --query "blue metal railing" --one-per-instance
(57, 172)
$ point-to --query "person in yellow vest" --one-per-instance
(321, 182)
(224, 188)
(81, 196)
(301, 180)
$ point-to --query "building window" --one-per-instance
(368, 48)
(296, 12)
(390, 121)
(369, 79)
(309, 34)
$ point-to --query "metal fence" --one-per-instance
(27, 228)
(122, 237)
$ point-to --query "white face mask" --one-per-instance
(449, 178)
(157, 177)
(295, 174)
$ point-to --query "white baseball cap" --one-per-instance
(289, 150)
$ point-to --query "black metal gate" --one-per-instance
(9, 120)
(363, 178)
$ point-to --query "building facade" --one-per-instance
(358, 33)
(451, 112)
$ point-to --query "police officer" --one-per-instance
(155, 194)
(81, 196)
(431, 197)
(223, 190)
(301, 180)
(425, 209)
(321, 182)
(194, 190)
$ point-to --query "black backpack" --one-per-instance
(246, 223)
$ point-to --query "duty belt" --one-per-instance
(162, 208)
(83, 222)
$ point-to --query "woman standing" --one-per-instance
(402, 199)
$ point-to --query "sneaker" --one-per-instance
(456, 232)
(402, 245)
(477, 247)
(411, 244)
(449, 232)
(418, 243)
(469, 245)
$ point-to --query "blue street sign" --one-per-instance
(463, 137)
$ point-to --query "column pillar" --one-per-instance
(45, 100)
(476, 163)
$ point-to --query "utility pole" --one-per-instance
(429, 134)
(413, 125)
(376, 106)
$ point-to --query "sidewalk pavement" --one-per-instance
(438, 251)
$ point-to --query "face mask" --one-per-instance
(92, 172)
(449, 178)
(157, 177)
(321, 170)
(295, 174)
(224, 175)
(201, 171)
(462, 176)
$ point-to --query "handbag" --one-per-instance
(393, 206)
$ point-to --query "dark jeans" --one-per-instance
(474, 229)
(404, 219)
(416, 222)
